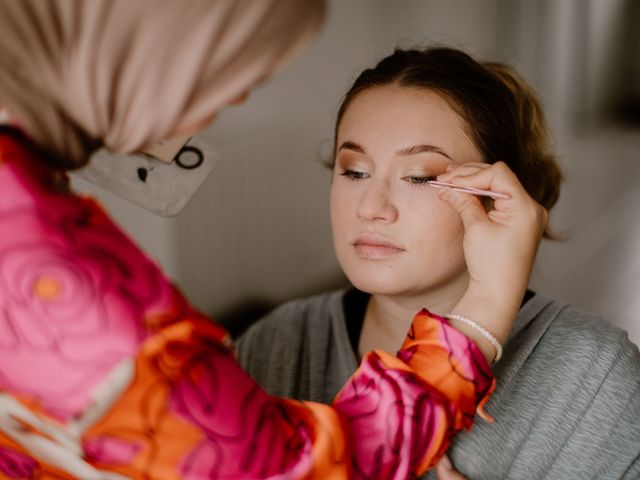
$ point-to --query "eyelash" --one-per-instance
(354, 175)
(417, 181)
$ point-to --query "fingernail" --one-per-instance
(446, 462)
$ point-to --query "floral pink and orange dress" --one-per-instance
(106, 372)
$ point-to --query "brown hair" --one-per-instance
(502, 112)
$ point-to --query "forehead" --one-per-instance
(393, 116)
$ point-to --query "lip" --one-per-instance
(374, 246)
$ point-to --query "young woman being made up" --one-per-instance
(567, 402)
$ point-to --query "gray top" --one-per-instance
(567, 402)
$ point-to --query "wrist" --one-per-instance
(494, 314)
(487, 343)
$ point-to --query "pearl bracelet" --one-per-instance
(481, 330)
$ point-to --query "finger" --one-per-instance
(462, 169)
(497, 177)
(476, 165)
(445, 470)
(467, 206)
(452, 166)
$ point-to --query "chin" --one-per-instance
(404, 282)
(375, 277)
(377, 284)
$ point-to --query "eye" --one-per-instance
(355, 175)
(418, 179)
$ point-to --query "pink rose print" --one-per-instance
(398, 400)
(15, 464)
(74, 292)
(238, 444)
(110, 450)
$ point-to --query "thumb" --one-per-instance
(445, 470)
(468, 207)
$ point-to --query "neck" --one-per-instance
(388, 317)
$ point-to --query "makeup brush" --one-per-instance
(433, 182)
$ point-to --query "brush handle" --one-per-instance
(472, 191)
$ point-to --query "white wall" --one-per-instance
(597, 265)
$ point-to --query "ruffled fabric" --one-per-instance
(107, 372)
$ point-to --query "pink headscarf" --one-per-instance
(122, 74)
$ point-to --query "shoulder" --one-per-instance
(579, 335)
(571, 342)
(585, 368)
(294, 315)
(295, 319)
(291, 350)
(565, 334)
(567, 402)
(571, 361)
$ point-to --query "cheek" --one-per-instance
(339, 206)
(434, 223)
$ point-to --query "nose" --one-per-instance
(376, 203)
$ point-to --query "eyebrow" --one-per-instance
(351, 146)
(405, 152)
(416, 149)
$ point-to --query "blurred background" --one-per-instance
(257, 232)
